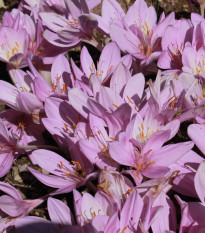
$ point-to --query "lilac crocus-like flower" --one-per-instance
(196, 132)
(193, 212)
(112, 12)
(68, 31)
(22, 125)
(60, 215)
(173, 43)
(21, 97)
(14, 46)
(13, 206)
(65, 176)
(8, 149)
(141, 35)
(108, 61)
(150, 161)
(89, 209)
(193, 62)
(115, 185)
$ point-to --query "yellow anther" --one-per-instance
(173, 54)
(11, 219)
(104, 148)
(53, 86)
(113, 138)
(123, 230)
(128, 192)
(151, 162)
(61, 164)
(77, 163)
(149, 151)
(111, 67)
(59, 78)
(37, 52)
(67, 174)
(136, 108)
(142, 127)
(138, 152)
(150, 133)
(148, 30)
(66, 127)
(142, 42)
(64, 88)
(198, 70)
(130, 100)
(14, 49)
(115, 105)
(135, 174)
(74, 125)
(69, 24)
(181, 46)
(8, 55)
(25, 89)
(170, 98)
(196, 99)
(17, 44)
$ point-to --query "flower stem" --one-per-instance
(94, 42)
(91, 186)
(36, 147)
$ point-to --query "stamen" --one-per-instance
(66, 127)
(198, 70)
(196, 99)
(123, 230)
(151, 162)
(128, 192)
(58, 78)
(25, 89)
(53, 86)
(64, 88)
(115, 105)
(135, 174)
(77, 163)
(67, 174)
(8, 55)
(148, 30)
(113, 138)
(130, 100)
(138, 152)
(11, 219)
(104, 148)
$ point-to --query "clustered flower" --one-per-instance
(116, 133)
